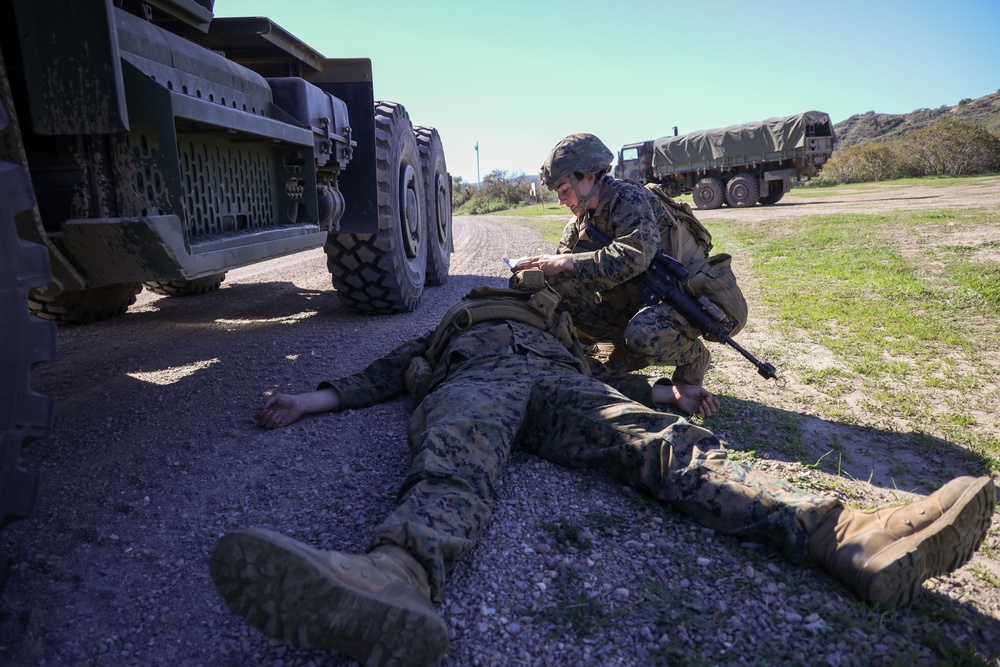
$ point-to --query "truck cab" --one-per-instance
(635, 162)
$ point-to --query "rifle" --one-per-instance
(663, 282)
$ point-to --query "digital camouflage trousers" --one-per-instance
(642, 335)
(463, 432)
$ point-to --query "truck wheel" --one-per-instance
(775, 191)
(384, 272)
(709, 192)
(742, 190)
(186, 287)
(24, 341)
(437, 204)
(86, 305)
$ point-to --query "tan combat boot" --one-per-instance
(885, 555)
(375, 607)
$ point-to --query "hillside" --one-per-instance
(861, 128)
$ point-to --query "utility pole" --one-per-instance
(479, 180)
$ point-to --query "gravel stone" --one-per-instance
(154, 456)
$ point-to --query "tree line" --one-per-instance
(499, 191)
(947, 148)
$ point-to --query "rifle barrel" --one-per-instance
(663, 282)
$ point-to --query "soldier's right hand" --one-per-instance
(690, 399)
(278, 411)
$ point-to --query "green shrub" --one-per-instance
(946, 148)
(874, 161)
(952, 148)
(481, 205)
(499, 191)
(461, 192)
(510, 188)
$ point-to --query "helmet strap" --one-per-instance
(579, 196)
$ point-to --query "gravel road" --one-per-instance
(154, 455)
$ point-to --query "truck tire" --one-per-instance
(742, 190)
(775, 191)
(385, 272)
(437, 204)
(186, 287)
(24, 341)
(709, 193)
(86, 305)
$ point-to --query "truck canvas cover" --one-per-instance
(759, 141)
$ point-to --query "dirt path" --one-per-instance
(154, 455)
(981, 192)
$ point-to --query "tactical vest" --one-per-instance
(682, 236)
(688, 241)
(531, 302)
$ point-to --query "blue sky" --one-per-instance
(518, 76)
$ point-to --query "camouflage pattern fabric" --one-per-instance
(642, 335)
(605, 308)
(623, 213)
(582, 152)
(508, 385)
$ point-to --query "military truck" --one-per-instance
(148, 144)
(741, 165)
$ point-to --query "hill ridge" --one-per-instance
(872, 126)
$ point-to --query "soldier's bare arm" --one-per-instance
(283, 409)
(549, 264)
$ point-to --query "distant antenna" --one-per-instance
(479, 180)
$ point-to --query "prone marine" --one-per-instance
(504, 370)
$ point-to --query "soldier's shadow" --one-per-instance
(893, 460)
(835, 458)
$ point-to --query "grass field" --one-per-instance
(898, 313)
(905, 307)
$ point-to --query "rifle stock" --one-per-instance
(663, 282)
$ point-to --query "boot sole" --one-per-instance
(895, 575)
(289, 593)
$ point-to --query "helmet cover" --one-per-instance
(581, 152)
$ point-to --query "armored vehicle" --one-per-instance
(739, 165)
(150, 144)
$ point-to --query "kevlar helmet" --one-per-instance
(583, 153)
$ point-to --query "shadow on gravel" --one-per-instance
(272, 335)
(913, 462)
(172, 328)
(933, 612)
(154, 455)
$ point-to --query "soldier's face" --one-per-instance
(567, 193)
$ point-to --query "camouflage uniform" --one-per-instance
(501, 384)
(604, 308)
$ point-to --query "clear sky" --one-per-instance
(518, 76)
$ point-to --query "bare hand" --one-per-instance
(549, 264)
(278, 411)
(690, 399)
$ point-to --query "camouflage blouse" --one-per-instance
(624, 215)
(383, 380)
